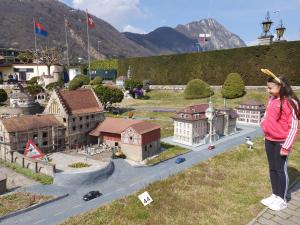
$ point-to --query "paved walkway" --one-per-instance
(288, 216)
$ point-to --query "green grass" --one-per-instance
(226, 189)
(79, 165)
(39, 177)
(19, 200)
(170, 151)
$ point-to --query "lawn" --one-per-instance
(19, 200)
(170, 151)
(226, 189)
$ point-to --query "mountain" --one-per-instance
(221, 38)
(163, 40)
(16, 25)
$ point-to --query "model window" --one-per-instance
(45, 134)
(73, 119)
(80, 118)
(45, 143)
(74, 127)
(87, 117)
(64, 119)
(80, 126)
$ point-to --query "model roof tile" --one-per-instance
(80, 101)
(24, 123)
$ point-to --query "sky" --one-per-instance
(241, 17)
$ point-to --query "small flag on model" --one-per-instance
(90, 21)
(39, 29)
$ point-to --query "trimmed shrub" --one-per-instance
(96, 81)
(233, 87)
(33, 81)
(78, 81)
(197, 89)
(55, 85)
(3, 95)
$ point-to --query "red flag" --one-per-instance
(90, 21)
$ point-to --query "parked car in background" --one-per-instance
(91, 195)
(179, 160)
(211, 147)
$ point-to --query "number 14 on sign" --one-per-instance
(145, 198)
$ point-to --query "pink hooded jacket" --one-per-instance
(284, 128)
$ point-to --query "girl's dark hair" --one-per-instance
(287, 92)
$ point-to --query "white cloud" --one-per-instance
(129, 28)
(115, 12)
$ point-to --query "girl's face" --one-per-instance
(273, 89)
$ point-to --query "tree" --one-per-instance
(3, 95)
(55, 85)
(233, 87)
(34, 89)
(131, 84)
(96, 81)
(78, 81)
(108, 95)
(26, 57)
(49, 56)
(33, 81)
(197, 88)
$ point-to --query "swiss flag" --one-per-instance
(90, 21)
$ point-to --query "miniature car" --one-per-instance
(179, 160)
(91, 195)
(211, 147)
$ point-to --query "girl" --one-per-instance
(280, 126)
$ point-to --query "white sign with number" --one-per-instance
(145, 198)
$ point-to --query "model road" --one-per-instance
(124, 181)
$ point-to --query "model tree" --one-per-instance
(49, 56)
(233, 87)
(3, 95)
(108, 95)
(197, 88)
(78, 81)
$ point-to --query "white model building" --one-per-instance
(192, 124)
(250, 112)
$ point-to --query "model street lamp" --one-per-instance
(267, 25)
(280, 31)
(210, 114)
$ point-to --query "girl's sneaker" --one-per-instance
(269, 200)
(278, 204)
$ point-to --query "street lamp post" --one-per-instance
(210, 113)
(280, 31)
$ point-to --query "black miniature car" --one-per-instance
(91, 195)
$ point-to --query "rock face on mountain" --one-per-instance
(221, 38)
(16, 25)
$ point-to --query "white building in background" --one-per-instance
(191, 126)
(25, 72)
(73, 72)
(250, 112)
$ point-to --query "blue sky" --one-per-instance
(238, 16)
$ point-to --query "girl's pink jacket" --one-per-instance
(284, 128)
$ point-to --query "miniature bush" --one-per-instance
(79, 165)
(96, 81)
(130, 115)
(3, 95)
(197, 89)
(33, 81)
(108, 95)
(55, 85)
(233, 87)
(78, 81)
(34, 89)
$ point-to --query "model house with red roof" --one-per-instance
(191, 126)
(138, 139)
(80, 111)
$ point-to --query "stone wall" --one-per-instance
(35, 165)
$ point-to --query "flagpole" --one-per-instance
(67, 45)
(35, 45)
(88, 37)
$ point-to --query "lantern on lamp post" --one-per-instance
(280, 31)
(210, 114)
(266, 25)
